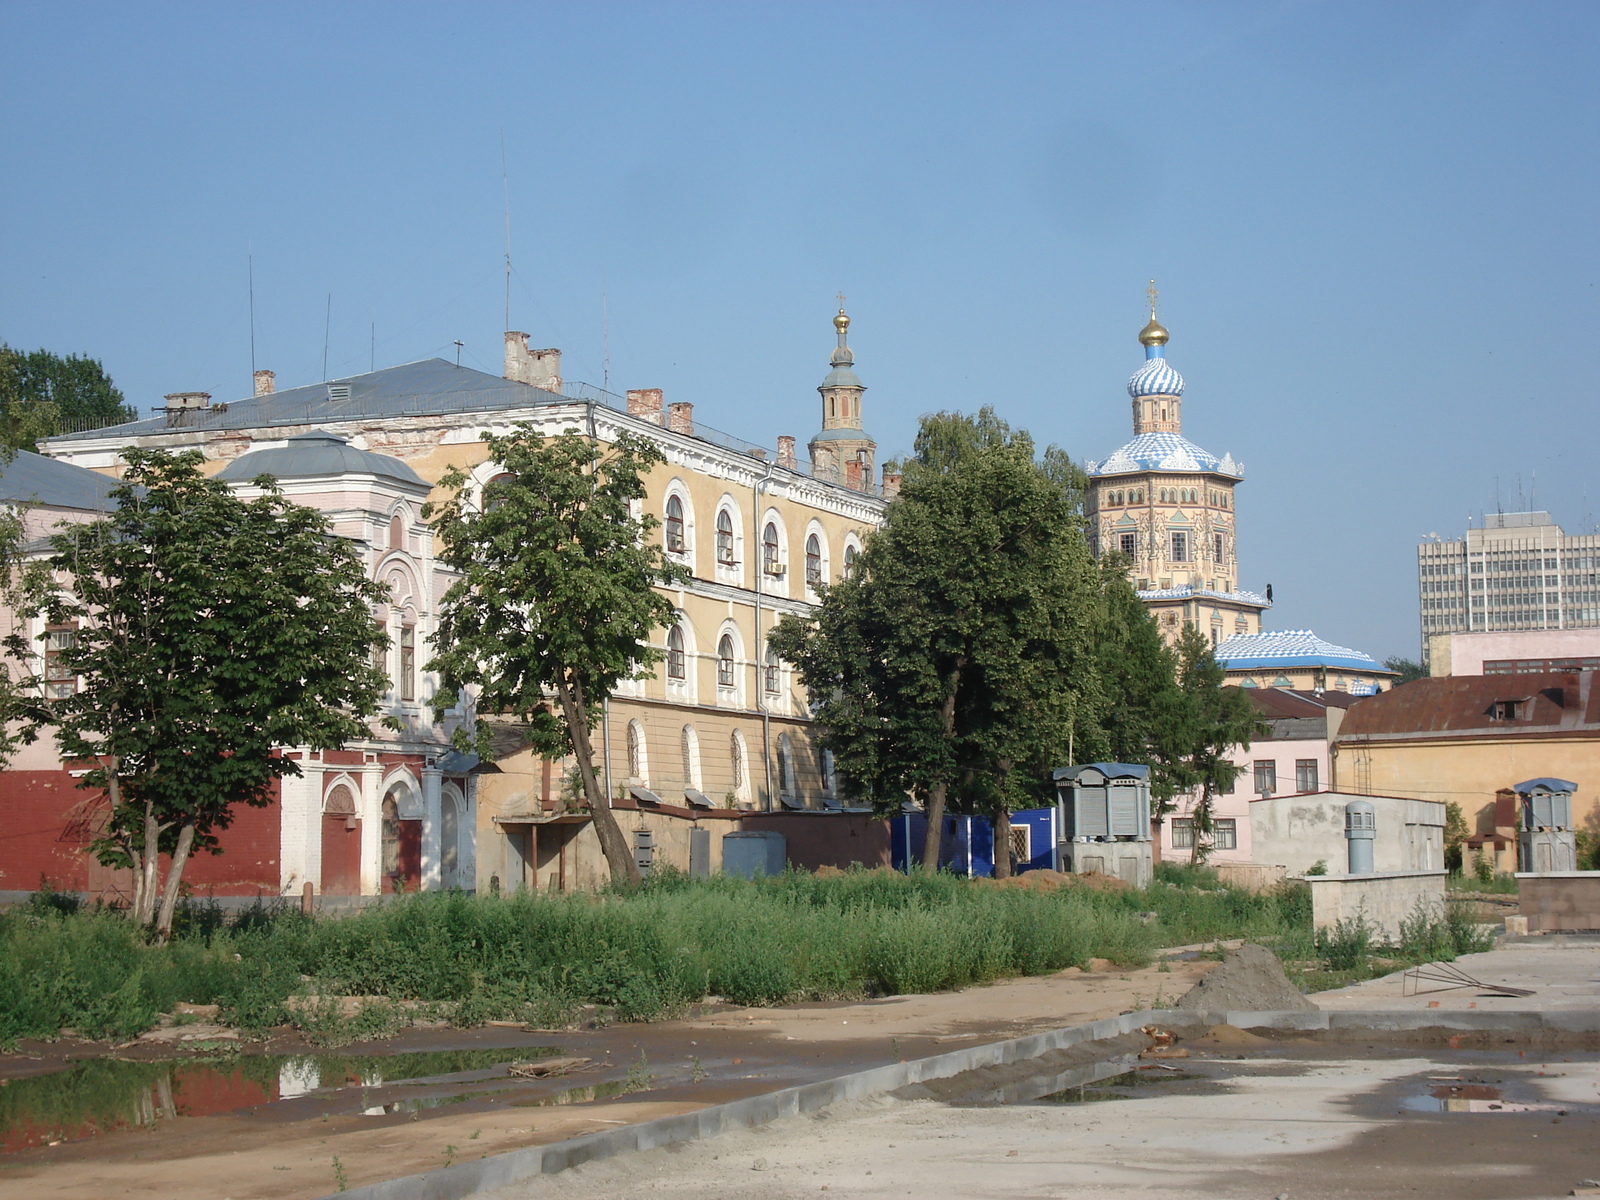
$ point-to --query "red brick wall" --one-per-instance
(827, 839)
(46, 826)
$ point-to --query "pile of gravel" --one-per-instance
(1250, 979)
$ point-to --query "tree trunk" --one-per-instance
(1200, 822)
(144, 895)
(933, 838)
(1002, 842)
(612, 844)
(169, 896)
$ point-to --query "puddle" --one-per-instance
(106, 1094)
(1129, 1085)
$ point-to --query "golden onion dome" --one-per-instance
(1153, 334)
(841, 322)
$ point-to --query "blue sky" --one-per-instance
(1373, 226)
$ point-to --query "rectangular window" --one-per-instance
(1129, 543)
(1219, 547)
(1182, 833)
(770, 680)
(408, 662)
(1506, 710)
(59, 681)
(1266, 777)
(1225, 834)
(1305, 774)
(1180, 546)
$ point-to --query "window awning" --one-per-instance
(697, 798)
(645, 796)
(793, 802)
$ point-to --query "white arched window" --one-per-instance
(638, 759)
(850, 554)
(726, 671)
(677, 665)
(676, 541)
(813, 560)
(786, 785)
(691, 757)
(830, 780)
(736, 762)
(771, 559)
(725, 543)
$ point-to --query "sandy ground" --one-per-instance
(1564, 973)
(257, 1156)
(1305, 1128)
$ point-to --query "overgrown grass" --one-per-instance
(635, 955)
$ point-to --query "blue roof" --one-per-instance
(1165, 452)
(1188, 592)
(34, 479)
(1155, 378)
(317, 455)
(1546, 785)
(1291, 648)
(1110, 770)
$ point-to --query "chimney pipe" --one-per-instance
(891, 484)
(786, 451)
(266, 382)
(186, 408)
(536, 368)
(645, 403)
(680, 418)
(852, 474)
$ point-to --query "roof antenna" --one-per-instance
(250, 260)
(327, 321)
(505, 184)
(458, 344)
(605, 340)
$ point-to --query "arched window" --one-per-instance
(736, 760)
(830, 783)
(725, 677)
(408, 662)
(638, 767)
(849, 562)
(813, 561)
(397, 533)
(676, 668)
(725, 538)
(675, 540)
(690, 744)
(769, 550)
(770, 675)
(785, 765)
(491, 497)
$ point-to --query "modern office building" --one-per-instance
(1518, 571)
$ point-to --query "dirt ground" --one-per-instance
(1303, 1123)
(728, 1052)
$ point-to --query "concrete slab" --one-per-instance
(1564, 975)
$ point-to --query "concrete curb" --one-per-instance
(501, 1170)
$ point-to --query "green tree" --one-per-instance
(1199, 724)
(957, 661)
(43, 394)
(211, 632)
(1456, 833)
(557, 597)
(1410, 671)
(1138, 678)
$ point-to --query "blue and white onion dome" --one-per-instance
(1156, 377)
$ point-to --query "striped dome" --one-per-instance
(1155, 378)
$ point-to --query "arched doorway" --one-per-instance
(341, 843)
(452, 815)
(402, 842)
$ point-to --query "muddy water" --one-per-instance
(106, 1094)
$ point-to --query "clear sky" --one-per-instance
(1373, 226)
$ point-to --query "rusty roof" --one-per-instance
(1480, 706)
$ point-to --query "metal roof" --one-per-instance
(1291, 648)
(34, 479)
(314, 456)
(1465, 706)
(1110, 770)
(1546, 784)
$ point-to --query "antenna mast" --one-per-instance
(327, 322)
(250, 260)
(505, 184)
(605, 342)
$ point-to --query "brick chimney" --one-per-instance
(680, 418)
(891, 483)
(537, 368)
(645, 403)
(852, 474)
(266, 382)
(186, 408)
(786, 451)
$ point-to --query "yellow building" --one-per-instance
(1167, 507)
(722, 728)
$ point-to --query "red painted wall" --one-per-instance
(827, 839)
(47, 823)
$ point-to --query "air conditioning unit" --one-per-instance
(774, 568)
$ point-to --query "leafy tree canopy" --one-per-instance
(1410, 670)
(557, 597)
(209, 632)
(956, 662)
(43, 394)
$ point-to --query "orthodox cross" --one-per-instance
(1152, 293)
(841, 301)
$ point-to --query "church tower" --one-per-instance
(1167, 507)
(842, 451)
